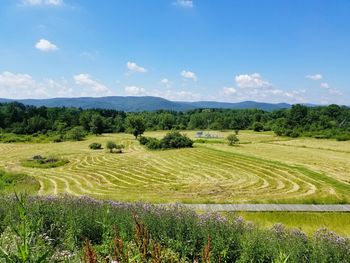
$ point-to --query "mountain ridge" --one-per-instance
(144, 103)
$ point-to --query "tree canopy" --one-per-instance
(331, 121)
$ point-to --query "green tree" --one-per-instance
(258, 126)
(136, 125)
(166, 121)
(232, 139)
(96, 124)
(75, 134)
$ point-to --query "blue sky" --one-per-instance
(225, 50)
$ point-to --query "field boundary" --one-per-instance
(268, 207)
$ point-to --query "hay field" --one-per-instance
(262, 169)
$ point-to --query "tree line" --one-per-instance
(331, 121)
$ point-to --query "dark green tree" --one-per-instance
(136, 125)
(96, 124)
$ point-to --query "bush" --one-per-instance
(114, 148)
(343, 137)
(232, 139)
(95, 146)
(172, 140)
(294, 134)
(153, 144)
(143, 140)
(175, 140)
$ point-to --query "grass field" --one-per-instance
(308, 222)
(262, 169)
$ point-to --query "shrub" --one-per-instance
(95, 146)
(294, 134)
(175, 140)
(143, 140)
(232, 139)
(343, 137)
(114, 148)
(172, 140)
(153, 144)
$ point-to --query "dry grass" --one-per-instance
(260, 169)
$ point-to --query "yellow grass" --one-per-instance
(262, 169)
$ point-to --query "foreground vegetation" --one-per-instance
(75, 230)
(62, 124)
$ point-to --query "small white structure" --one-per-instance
(207, 135)
(199, 134)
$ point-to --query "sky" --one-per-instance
(292, 51)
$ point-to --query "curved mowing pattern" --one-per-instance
(198, 175)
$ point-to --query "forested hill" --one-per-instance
(145, 103)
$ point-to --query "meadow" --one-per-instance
(263, 168)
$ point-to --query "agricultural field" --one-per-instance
(263, 168)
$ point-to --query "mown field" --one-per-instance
(263, 168)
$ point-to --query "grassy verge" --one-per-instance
(18, 182)
(309, 222)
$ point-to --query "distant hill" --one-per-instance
(146, 103)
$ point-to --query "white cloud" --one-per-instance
(166, 82)
(251, 81)
(314, 77)
(228, 91)
(255, 87)
(184, 3)
(189, 75)
(134, 91)
(176, 95)
(45, 45)
(133, 67)
(18, 86)
(324, 85)
(94, 87)
(43, 2)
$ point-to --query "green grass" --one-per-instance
(44, 163)
(309, 222)
(256, 171)
(17, 182)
